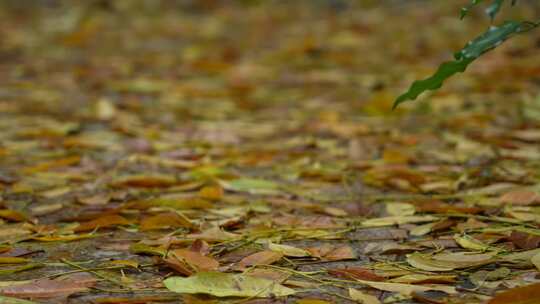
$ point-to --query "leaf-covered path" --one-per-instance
(200, 152)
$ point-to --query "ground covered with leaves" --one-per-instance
(201, 152)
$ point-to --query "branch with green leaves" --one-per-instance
(475, 48)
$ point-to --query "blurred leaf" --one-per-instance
(361, 297)
(522, 295)
(102, 222)
(251, 185)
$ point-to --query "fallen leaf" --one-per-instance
(400, 209)
(358, 273)
(251, 185)
(525, 240)
(332, 253)
(46, 288)
(211, 193)
(144, 181)
(165, 221)
(469, 242)
(536, 261)
(398, 220)
(362, 298)
(522, 295)
(8, 300)
(266, 257)
(287, 250)
(12, 215)
(227, 285)
(520, 197)
(188, 262)
(447, 261)
(418, 278)
(102, 222)
(408, 289)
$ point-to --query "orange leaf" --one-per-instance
(188, 262)
(522, 295)
(165, 221)
(520, 197)
(102, 222)
(45, 288)
(266, 257)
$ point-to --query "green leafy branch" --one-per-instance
(475, 48)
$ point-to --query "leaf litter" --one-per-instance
(246, 152)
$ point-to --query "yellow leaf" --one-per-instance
(362, 298)
(227, 285)
(287, 250)
(468, 242)
(398, 220)
(408, 289)
(400, 209)
(536, 261)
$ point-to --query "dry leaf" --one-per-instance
(522, 295)
(362, 298)
(407, 289)
(102, 222)
(266, 257)
(287, 250)
(165, 221)
(227, 285)
(45, 288)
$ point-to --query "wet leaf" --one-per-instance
(227, 285)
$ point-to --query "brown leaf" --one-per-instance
(165, 221)
(12, 215)
(358, 273)
(522, 295)
(331, 253)
(520, 197)
(102, 222)
(442, 207)
(524, 240)
(45, 288)
(266, 257)
(145, 181)
(189, 262)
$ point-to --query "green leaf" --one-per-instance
(465, 10)
(489, 40)
(227, 285)
(493, 9)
